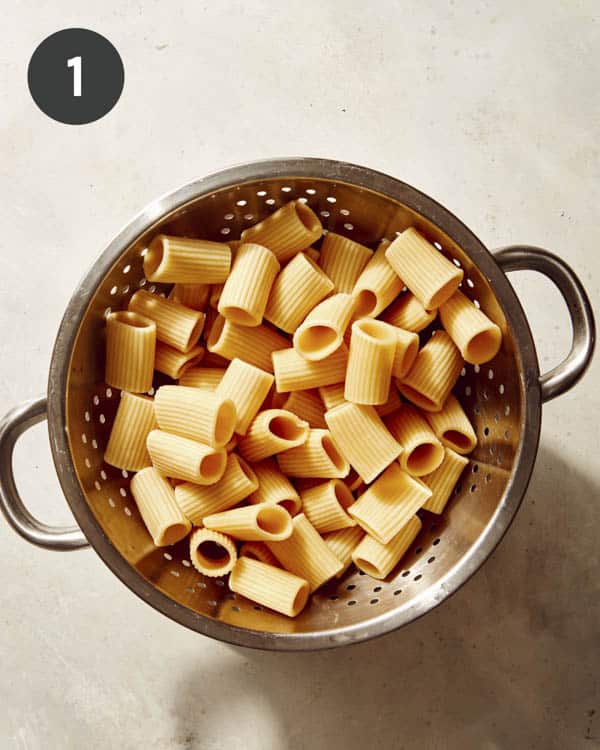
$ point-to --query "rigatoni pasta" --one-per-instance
(133, 423)
(270, 586)
(246, 291)
(176, 325)
(429, 275)
(477, 337)
(195, 413)
(252, 345)
(452, 426)
(308, 406)
(441, 482)
(272, 431)
(377, 559)
(343, 260)
(322, 331)
(130, 351)
(318, 456)
(195, 296)
(409, 314)
(343, 543)
(275, 487)
(294, 373)
(253, 523)
(182, 458)
(155, 499)
(297, 289)
(174, 363)
(213, 554)
(370, 362)
(207, 378)
(180, 259)
(258, 551)
(325, 506)
(422, 452)
(247, 387)
(378, 284)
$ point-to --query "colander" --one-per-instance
(502, 398)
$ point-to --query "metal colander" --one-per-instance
(502, 398)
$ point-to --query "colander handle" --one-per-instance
(526, 258)
(12, 426)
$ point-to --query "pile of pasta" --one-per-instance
(306, 423)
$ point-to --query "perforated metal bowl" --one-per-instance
(503, 400)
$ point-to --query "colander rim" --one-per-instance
(337, 172)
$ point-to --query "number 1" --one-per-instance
(75, 63)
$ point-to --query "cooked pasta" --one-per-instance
(362, 438)
(372, 352)
(181, 458)
(173, 362)
(176, 325)
(387, 505)
(441, 482)
(306, 555)
(213, 554)
(434, 373)
(343, 260)
(290, 229)
(179, 259)
(130, 350)
(332, 395)
(378, 560)
(200, 415)
(312, 253)
(322, 331)
(392, 405)
(253, 345)
(252, 523)
(133, 423)
(215, 295)
(272, 431)
(244, 296)
(308, 406)
(342, 543)
(296, 290)
(195, 296)
(294, 373)
(197, 501)
(422, 452)
(407, 349)
(452, 426)
(428, 274)
(258, 551)
(408, 313)
(274, 487)
(247, 387)
(318, 456)
(478, 338)
(325, 506)
(272, 587)
(155, 500)
(207, 378)
(378, 285)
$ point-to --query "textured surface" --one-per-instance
(493, 111)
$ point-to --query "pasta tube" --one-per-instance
(407, 349)
(370, 362)
(130, 349)
(155, 500)
(429, 275)
(246, 291)
(388, 504)
(392, 405)
(441, 482)
(478, 338)
(258, 551)
(173, 362)
(434, 373)
(252, 523)
(247, 387)
(272, 587)
(181, 458)
(343, 260)
(294, 373)
(322, 331)
(179, 259)
(362, 438)
(290, 229)
(195, 296)
(409, 314)
(176, 325)
(343, 543)
(272, 431)
(207, 378)
(422, 452)
(197, 502)
(274, 487)
(308, 406)
(213, 554)
(252, 345)
(194, 413)
(133, 422)
(318, 457)
(377, 286)
(452, 426)
(297, 289)
(306, 555)
(332, 395)
(378, 560)
(326, 504)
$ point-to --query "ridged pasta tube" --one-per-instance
(195, 296)
(252, 523)
(155, 500)
(452, 426)
(378, 284)
(318, 456)
(207, 378)
(441, 482)
(133, 423)
(422, 452)
(130, 351)
(173, 362)
(181, 458)
(378, 560)
(259, 551)
(370, 362)
(247, 387)
(322, 331)
(189, 261)
(308, 406)
(176, 325)
(200, 415)
(253, 345)
(294, 373)
(272, 587)
(291, 228)
(213, 554)
(343, 260)
(244, 296)
(326, 504)
(342, 543)
(272, 431)
(478, 338)
(408, 313)
(274, 487)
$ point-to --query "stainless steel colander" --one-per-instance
(502, 398)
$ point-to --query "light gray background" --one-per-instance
(493, 109)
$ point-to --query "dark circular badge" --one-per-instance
(75, 76)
